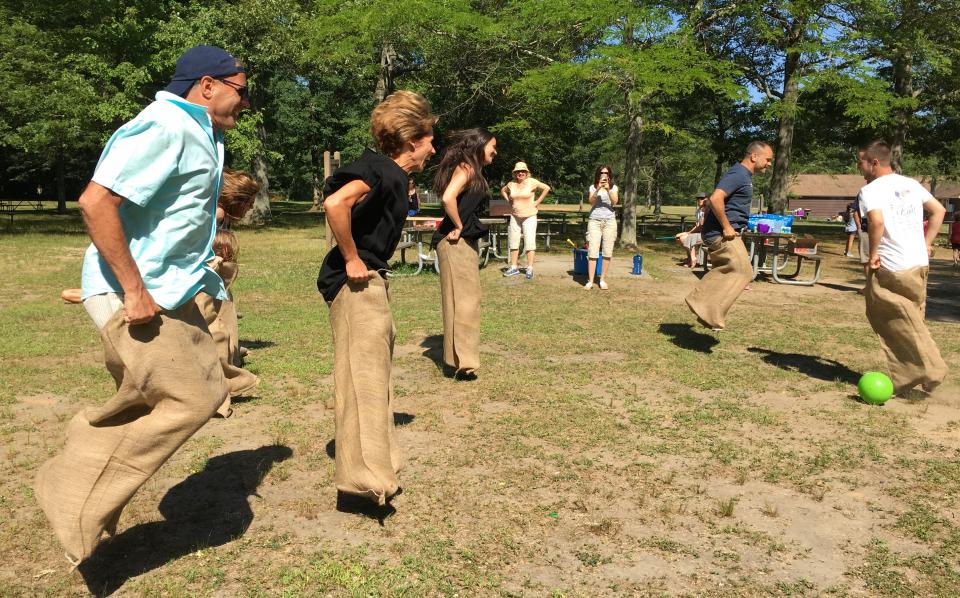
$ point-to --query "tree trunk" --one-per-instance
(631, 174)
(261, 206)
(718, 143)
(61, 187)
(658, 182)
(260, 211)
(903, 88)
(780, 181)
(649, 192)
(317, 180)
(388, 59)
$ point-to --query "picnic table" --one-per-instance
(419, 226)
(11, 206)
(416, 227)
(779, 249)
(647, 221)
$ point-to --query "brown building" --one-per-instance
(822, 196)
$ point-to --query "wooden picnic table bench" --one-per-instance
(10, 207)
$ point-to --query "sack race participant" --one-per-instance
(460, 183)
(150, 211)
(237, 195)
(366, 205)
(730, 269)
(896, 290)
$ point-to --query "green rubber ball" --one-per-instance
(875, 388)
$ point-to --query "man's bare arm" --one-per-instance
(717, 206)
(338, 209)
(936, 212)
(875, 228)
(100, 208)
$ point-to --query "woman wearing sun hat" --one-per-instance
(521, 193)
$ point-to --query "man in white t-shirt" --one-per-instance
(896, 290)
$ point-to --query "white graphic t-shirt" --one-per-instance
(900, 199)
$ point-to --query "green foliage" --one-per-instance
(559, 82)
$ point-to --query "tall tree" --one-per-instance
(638, 60)
(784, 48)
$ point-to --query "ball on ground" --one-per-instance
(875, 388)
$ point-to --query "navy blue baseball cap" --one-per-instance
(200, 61)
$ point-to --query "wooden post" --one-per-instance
(331, 162)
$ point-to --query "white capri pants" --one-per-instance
(527, 227)
(601, 234)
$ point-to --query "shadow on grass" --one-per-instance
(685, 337)
(399, 419)
(840, 287)
(207, 509)
(257, 344)
(808, 365)
(433, 346)
(943, 293)
(579, 278)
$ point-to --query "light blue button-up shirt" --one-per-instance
(167, 164)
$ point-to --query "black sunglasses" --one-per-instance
(242, 90)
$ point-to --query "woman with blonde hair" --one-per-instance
(521, 194)
(366, 207)
(460, 183)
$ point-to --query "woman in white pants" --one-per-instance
(602, 226)
(521, 193)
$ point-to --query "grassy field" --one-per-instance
(608, 447)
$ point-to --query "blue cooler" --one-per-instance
(580, 262)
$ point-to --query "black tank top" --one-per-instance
(469, 205)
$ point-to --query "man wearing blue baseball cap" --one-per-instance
(150, 210)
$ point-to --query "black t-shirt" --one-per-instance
(469, 205)
(376, 221)
(737, 183)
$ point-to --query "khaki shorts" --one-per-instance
(864, 247)
(601, 235)
(525, 227)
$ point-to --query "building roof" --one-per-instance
(848, 185)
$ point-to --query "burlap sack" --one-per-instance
(367, 456)
(169, 383)
(460, 300)
(730, 271)
(221, 318)
(896, 302)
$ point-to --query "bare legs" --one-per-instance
(515, 258)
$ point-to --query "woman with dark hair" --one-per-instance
(602, 226)
(460, 183)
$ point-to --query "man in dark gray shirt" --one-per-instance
(730, 269)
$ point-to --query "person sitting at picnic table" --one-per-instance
(413, 199)
(690, 239)
(602, 226)
(521, 194)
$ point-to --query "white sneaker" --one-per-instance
(588, 286)
(603, 285)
